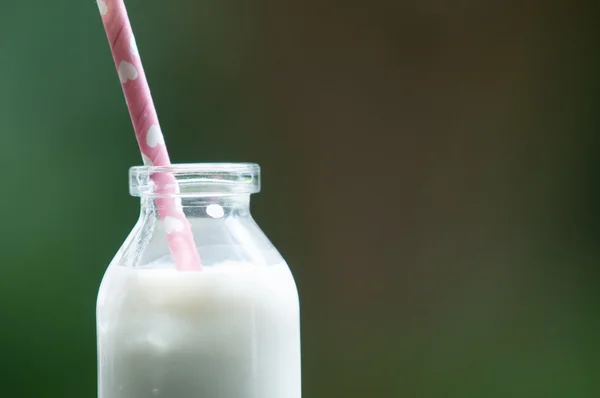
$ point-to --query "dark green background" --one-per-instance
(430, 174)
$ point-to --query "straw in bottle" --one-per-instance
(147, 130)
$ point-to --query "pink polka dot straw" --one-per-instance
(147, 130)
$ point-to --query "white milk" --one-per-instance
(229, 331)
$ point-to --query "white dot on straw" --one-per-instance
(103, 7)
(173, 225)
(147, 160)
(127, 71)
(133, 47)
(215, 211)
(154, 136)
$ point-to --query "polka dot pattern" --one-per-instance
(154, 137)
(127, 72)
(147, 161)
(102, 7)
(147, 129)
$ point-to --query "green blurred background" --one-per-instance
(430, 174)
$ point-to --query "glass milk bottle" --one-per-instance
(230, 330)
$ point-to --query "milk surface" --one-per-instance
(229, 331)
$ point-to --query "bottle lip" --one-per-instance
(195, 179)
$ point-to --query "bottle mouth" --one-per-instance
(195, 179)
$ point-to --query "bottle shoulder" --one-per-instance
(229, 239)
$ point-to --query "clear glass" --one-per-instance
(231, 330)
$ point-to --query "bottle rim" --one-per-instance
(195, 179)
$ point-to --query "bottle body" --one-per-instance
(230, 330)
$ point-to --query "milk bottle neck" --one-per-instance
(200, 206)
